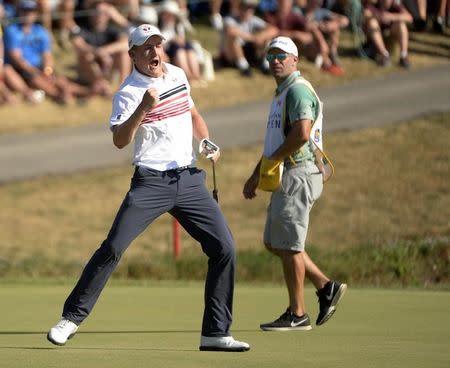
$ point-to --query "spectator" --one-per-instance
(28, 50)
(10, 80)
(306, 35)
(215, 16)
(101, 50)
(385, 18)
(63, 12)
(180, 52)
(438, 9)
(418, 10)
(245, 37)
(329, 23)
(6, 95)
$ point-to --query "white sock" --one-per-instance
(242, 64)
(403, 54)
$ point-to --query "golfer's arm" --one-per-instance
(297, 137)
(199, 127)
(124, 133)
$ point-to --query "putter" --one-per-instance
(215, 190)
(210, 149)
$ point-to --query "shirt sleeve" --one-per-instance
(123, 107)
(257, 24)
(11, 39)
(46, 45)
(300, 103)
(229, 21)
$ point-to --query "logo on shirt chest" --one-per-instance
(274, 121)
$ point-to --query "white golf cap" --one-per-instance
(142, 34)
(283, 43)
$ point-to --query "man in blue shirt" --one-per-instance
(28, 50)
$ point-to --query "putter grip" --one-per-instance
(215, 195)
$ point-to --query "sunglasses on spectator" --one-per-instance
(280, 57)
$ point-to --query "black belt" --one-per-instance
(178, 169)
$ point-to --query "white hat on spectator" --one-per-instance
(170, 6)
(141, 34)
(148, 14)
(283, 43)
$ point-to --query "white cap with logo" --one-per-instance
(283, 43)
(141, 34)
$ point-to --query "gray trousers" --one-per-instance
(182, 193)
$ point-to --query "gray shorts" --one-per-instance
(288, 212)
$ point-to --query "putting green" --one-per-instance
(157, 325)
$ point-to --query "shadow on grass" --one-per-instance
(114, 332)
(93, 348)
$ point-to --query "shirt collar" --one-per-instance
(287, 82)
(145, 78)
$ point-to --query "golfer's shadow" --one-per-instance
(11, 333)
(115, 332)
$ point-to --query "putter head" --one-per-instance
(208, 148)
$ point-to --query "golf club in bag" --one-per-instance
(209, 149)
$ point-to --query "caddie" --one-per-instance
(293, 166)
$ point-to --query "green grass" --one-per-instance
(144, 325)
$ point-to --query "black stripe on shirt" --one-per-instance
(172, 91)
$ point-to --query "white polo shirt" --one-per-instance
(163, 141)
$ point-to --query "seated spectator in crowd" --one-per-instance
(101, 49)
(329, 23)
(6, 95)
(386, 18)
(215, 15)
(244, 38)
(147, 14)
(180, 51)
(61, 14)
(306, 34)
(442, 12)
(439, 10)
(28, 50)
(10, 81)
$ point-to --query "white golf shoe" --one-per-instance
(61, 332)
(225, 343)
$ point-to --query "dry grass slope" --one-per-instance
(391, 184)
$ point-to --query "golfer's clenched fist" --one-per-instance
(150, 99)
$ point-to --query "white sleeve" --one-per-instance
(257, 24)
(123, 107)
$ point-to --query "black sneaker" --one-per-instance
(404, 63)
(384, 61)
(288, 321)
(246, 72)
(329, 297)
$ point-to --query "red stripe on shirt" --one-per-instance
(176, 97)
(165, 116)
(168, 109)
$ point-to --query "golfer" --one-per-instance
(154, 108)
(295, 109)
